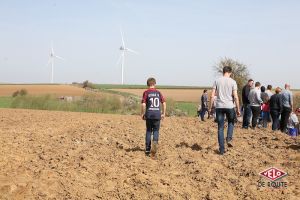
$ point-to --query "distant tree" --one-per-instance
(85, 84)
(16, 93)
(240, 72)
(23, 92)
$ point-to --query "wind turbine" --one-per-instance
(123, 50)
(52, 57)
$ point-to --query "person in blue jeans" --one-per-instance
(153, 109)
(246, 104)
(225, 88)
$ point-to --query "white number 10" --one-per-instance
(154, 102)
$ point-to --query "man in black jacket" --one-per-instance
(276, 108)
(246, 103)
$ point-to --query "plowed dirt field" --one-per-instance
(65, 155)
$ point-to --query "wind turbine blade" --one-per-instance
(49, 61)
(52, 50)
(59, 57)
(130, 50)
(119, 59)
(123, 43)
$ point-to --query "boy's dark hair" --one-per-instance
(151, 81)
(227, 69)
(205, 90)
(250, 80)
(257, 84)
(269, 87)
(263, 89)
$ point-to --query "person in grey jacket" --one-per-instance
(204, 105)
(255, 103)
(287, 104)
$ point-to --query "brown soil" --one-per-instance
(59, 90)
(65, 155)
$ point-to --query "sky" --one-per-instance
(179, 41)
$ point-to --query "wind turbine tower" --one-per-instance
(52, 57)
(123, 50)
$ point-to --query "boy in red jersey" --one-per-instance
(153, 110)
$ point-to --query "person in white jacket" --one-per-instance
(293, 123)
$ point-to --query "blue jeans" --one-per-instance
(265, 118)
(275, 118)
(247, 115)
(230, 114)
(285, 118)
(152, 126)
(202, 113)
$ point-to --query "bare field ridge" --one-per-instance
(65, 90)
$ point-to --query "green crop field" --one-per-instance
(5, 102)
(189, 108)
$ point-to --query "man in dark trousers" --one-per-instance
(276, 108)
(287, 107)
(246, 104)
(153, 109)
(255, 103)
(204, 105)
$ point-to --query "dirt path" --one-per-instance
(61, 155)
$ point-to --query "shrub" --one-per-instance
(87, 84)
(16, 93)
(96, 104)
(93, 103)
(31, 102)
(172, 109)
(23, 92)
(131, 105)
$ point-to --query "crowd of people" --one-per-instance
(265, 107)
(260, 106)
